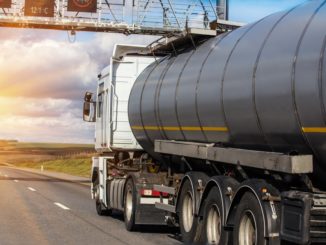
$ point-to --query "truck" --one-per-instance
(221, 135)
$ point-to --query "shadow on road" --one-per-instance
(172, 232)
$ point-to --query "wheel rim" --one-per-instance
(187, 212)
(213, 225)
(97, 200)
(97, 194)
(248, 229)
(129, 203)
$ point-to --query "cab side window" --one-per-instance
(100, 105)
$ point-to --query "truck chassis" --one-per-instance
(252, 194)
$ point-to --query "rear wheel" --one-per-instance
(249, 223)
(214, 234)
(100, 209)
(130, 202)
(189, 223)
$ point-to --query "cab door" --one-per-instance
(102, 115)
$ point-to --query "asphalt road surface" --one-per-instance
(37, 209)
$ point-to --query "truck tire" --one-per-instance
(130, 205)
(248, 222)
(100, 209)
(190, 227)
(213, 231)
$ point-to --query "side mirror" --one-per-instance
(88, 97)
(89, 111)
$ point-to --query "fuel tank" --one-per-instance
(260, 87)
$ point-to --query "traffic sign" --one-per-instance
(5, 3)
(88, 6)
(41, 8)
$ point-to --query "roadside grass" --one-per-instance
(24, 145)
(73, 166)
(74, 159)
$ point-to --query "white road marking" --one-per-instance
(31, 189)
(16, 181)
(61, 206)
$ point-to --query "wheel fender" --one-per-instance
(270, 209)
(226, 186)
(193, 177)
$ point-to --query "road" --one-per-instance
(37, 209)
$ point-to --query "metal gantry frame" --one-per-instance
(121, 16)
(175, 14)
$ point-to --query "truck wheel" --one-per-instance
(213, 227)
(130, 200)
(249, 223)
(100, 209)
(190, 227)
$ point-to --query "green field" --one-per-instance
(24, 145)
(73, 166)
(74, 159)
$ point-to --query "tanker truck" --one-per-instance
(222, 136)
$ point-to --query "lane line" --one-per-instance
(16, 180)
(31, 189)
(61, 206)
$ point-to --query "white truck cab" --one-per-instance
(114, 84)
(122, 174)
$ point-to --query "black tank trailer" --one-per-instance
(261, 87)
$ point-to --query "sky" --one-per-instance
(251, 10)
(43, 76)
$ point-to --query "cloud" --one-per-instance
(43, 78)
(44, 120)
(29, 35)
(38, 107)
(65, 129)
(44, 69)
(56, 69)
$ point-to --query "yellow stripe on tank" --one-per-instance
(314, 129)
(216, 129)
(220, 129)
